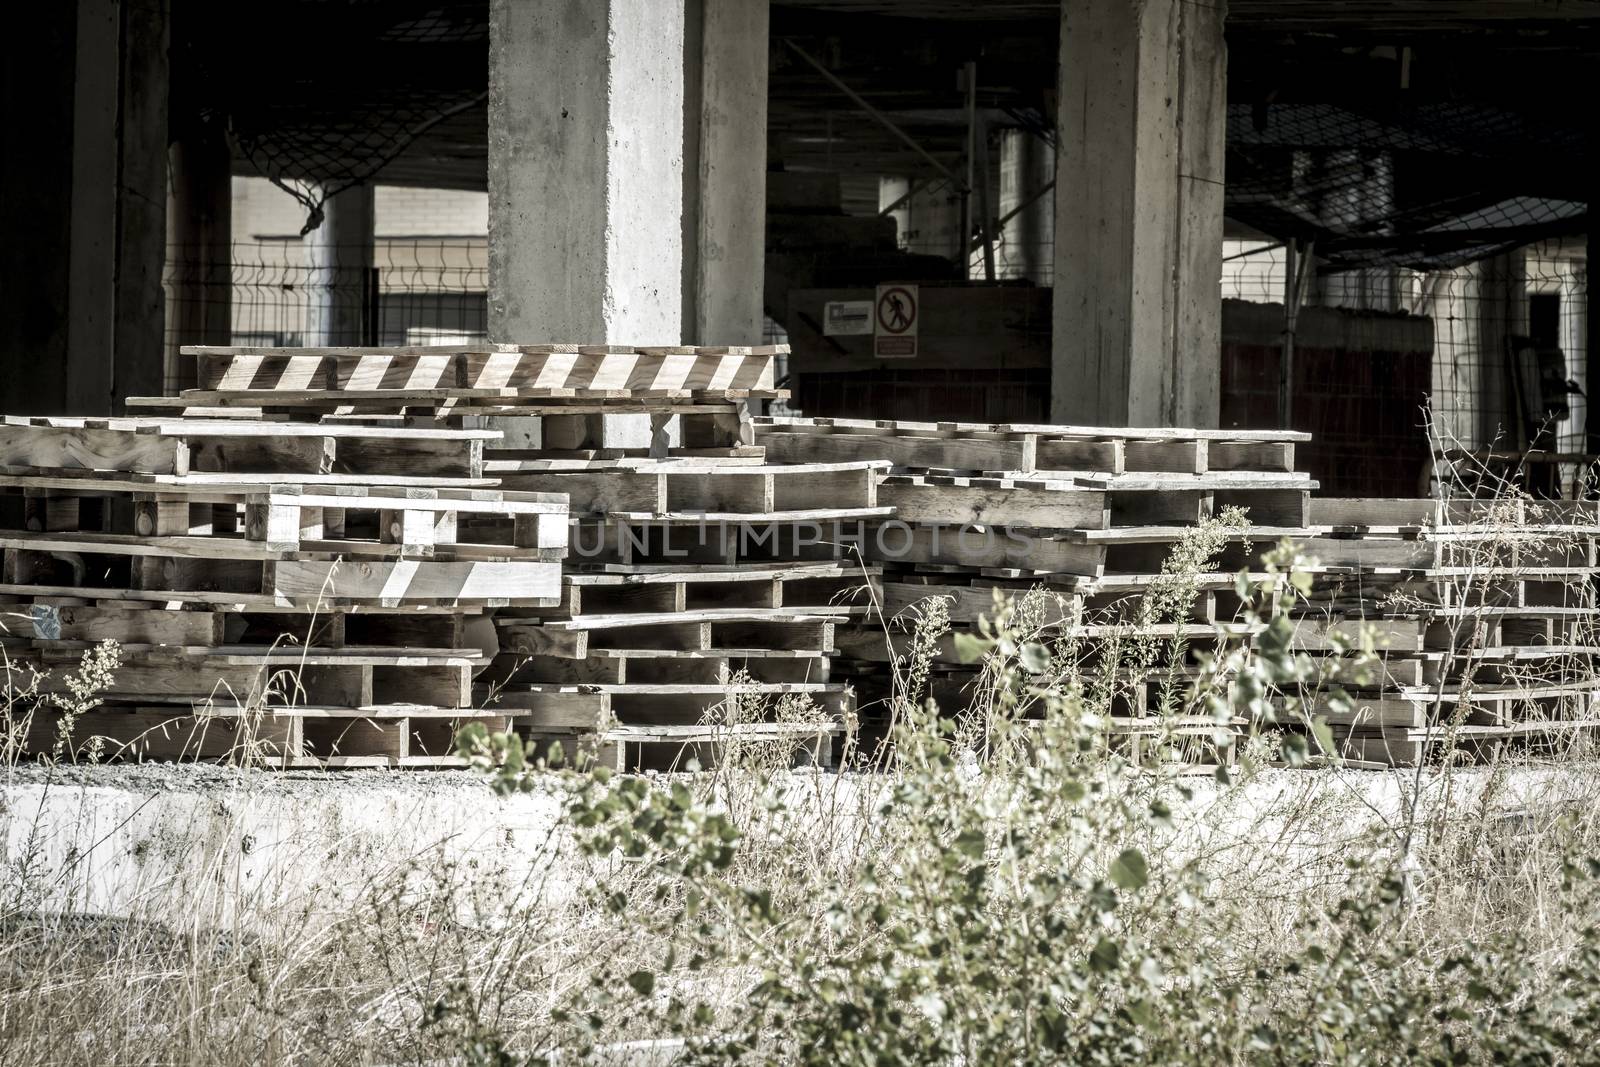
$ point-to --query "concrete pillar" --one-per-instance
(84, 229)
(586, 148)
(1502, 312)
(141, 196)
(1027, 165)
(36, 105)
(1591, 315)
(725, 171)
(1452, 299)
(1575, 345)
(84, 89)
(339, 255)
(1138, 208)
(199, 248)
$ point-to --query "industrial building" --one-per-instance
(1324, 216)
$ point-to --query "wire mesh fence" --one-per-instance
(403, 291)
(1507, 343)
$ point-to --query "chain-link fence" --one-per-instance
(403, 291)
(1506, 339)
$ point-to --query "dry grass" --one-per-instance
(1425, 887)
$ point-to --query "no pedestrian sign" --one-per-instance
(894, 322)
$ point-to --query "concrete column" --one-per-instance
(1027, 165)
(92, 282)
(725, 170)
(339, 254)
(141, 196)
(1591, 315)
(1138, 207)
(1575, 345)
(199, 248)
(36, 105)
(1502, 312)
(85, 90)
(586, 145)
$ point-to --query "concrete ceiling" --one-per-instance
(333, 89)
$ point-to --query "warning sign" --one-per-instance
(843, 318)
(894, 333)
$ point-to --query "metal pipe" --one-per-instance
(1000, 223)
(912, 189)
(1297, 270)
(978, 168)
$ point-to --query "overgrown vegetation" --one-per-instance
(1051, 901)
(1015, 887)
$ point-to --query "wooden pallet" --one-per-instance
(238, 446)
(1000, 448)
(397, 735)
(553, 367)
(695, 490)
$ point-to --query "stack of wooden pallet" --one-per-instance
(1484, 613)
(700, 603)
(1088, 515)
(323, 557)
(452, 381)
(697, 607)
(298, 593)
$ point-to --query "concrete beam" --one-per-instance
(725, 165)
(585, 171)
(1138, 206)
(339, 253)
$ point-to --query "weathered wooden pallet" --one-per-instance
(453, 403)
(1409, 746)
(599, 706)
(394, 735)
(677, 747)
(240, 677)
(236, 446)
(526, 367)
(982, 447)
(875, 644)
(722, 631)
(692, 490)
(1030, 503)
(1464, 516)
(48, 565)
(838, 586)
(721, 539)
(43, 620)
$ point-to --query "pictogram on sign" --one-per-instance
(894, 334)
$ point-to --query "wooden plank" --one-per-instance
(86, 448)
(1046, 506)
(994, 454)
(987, 547)
(402, 580)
